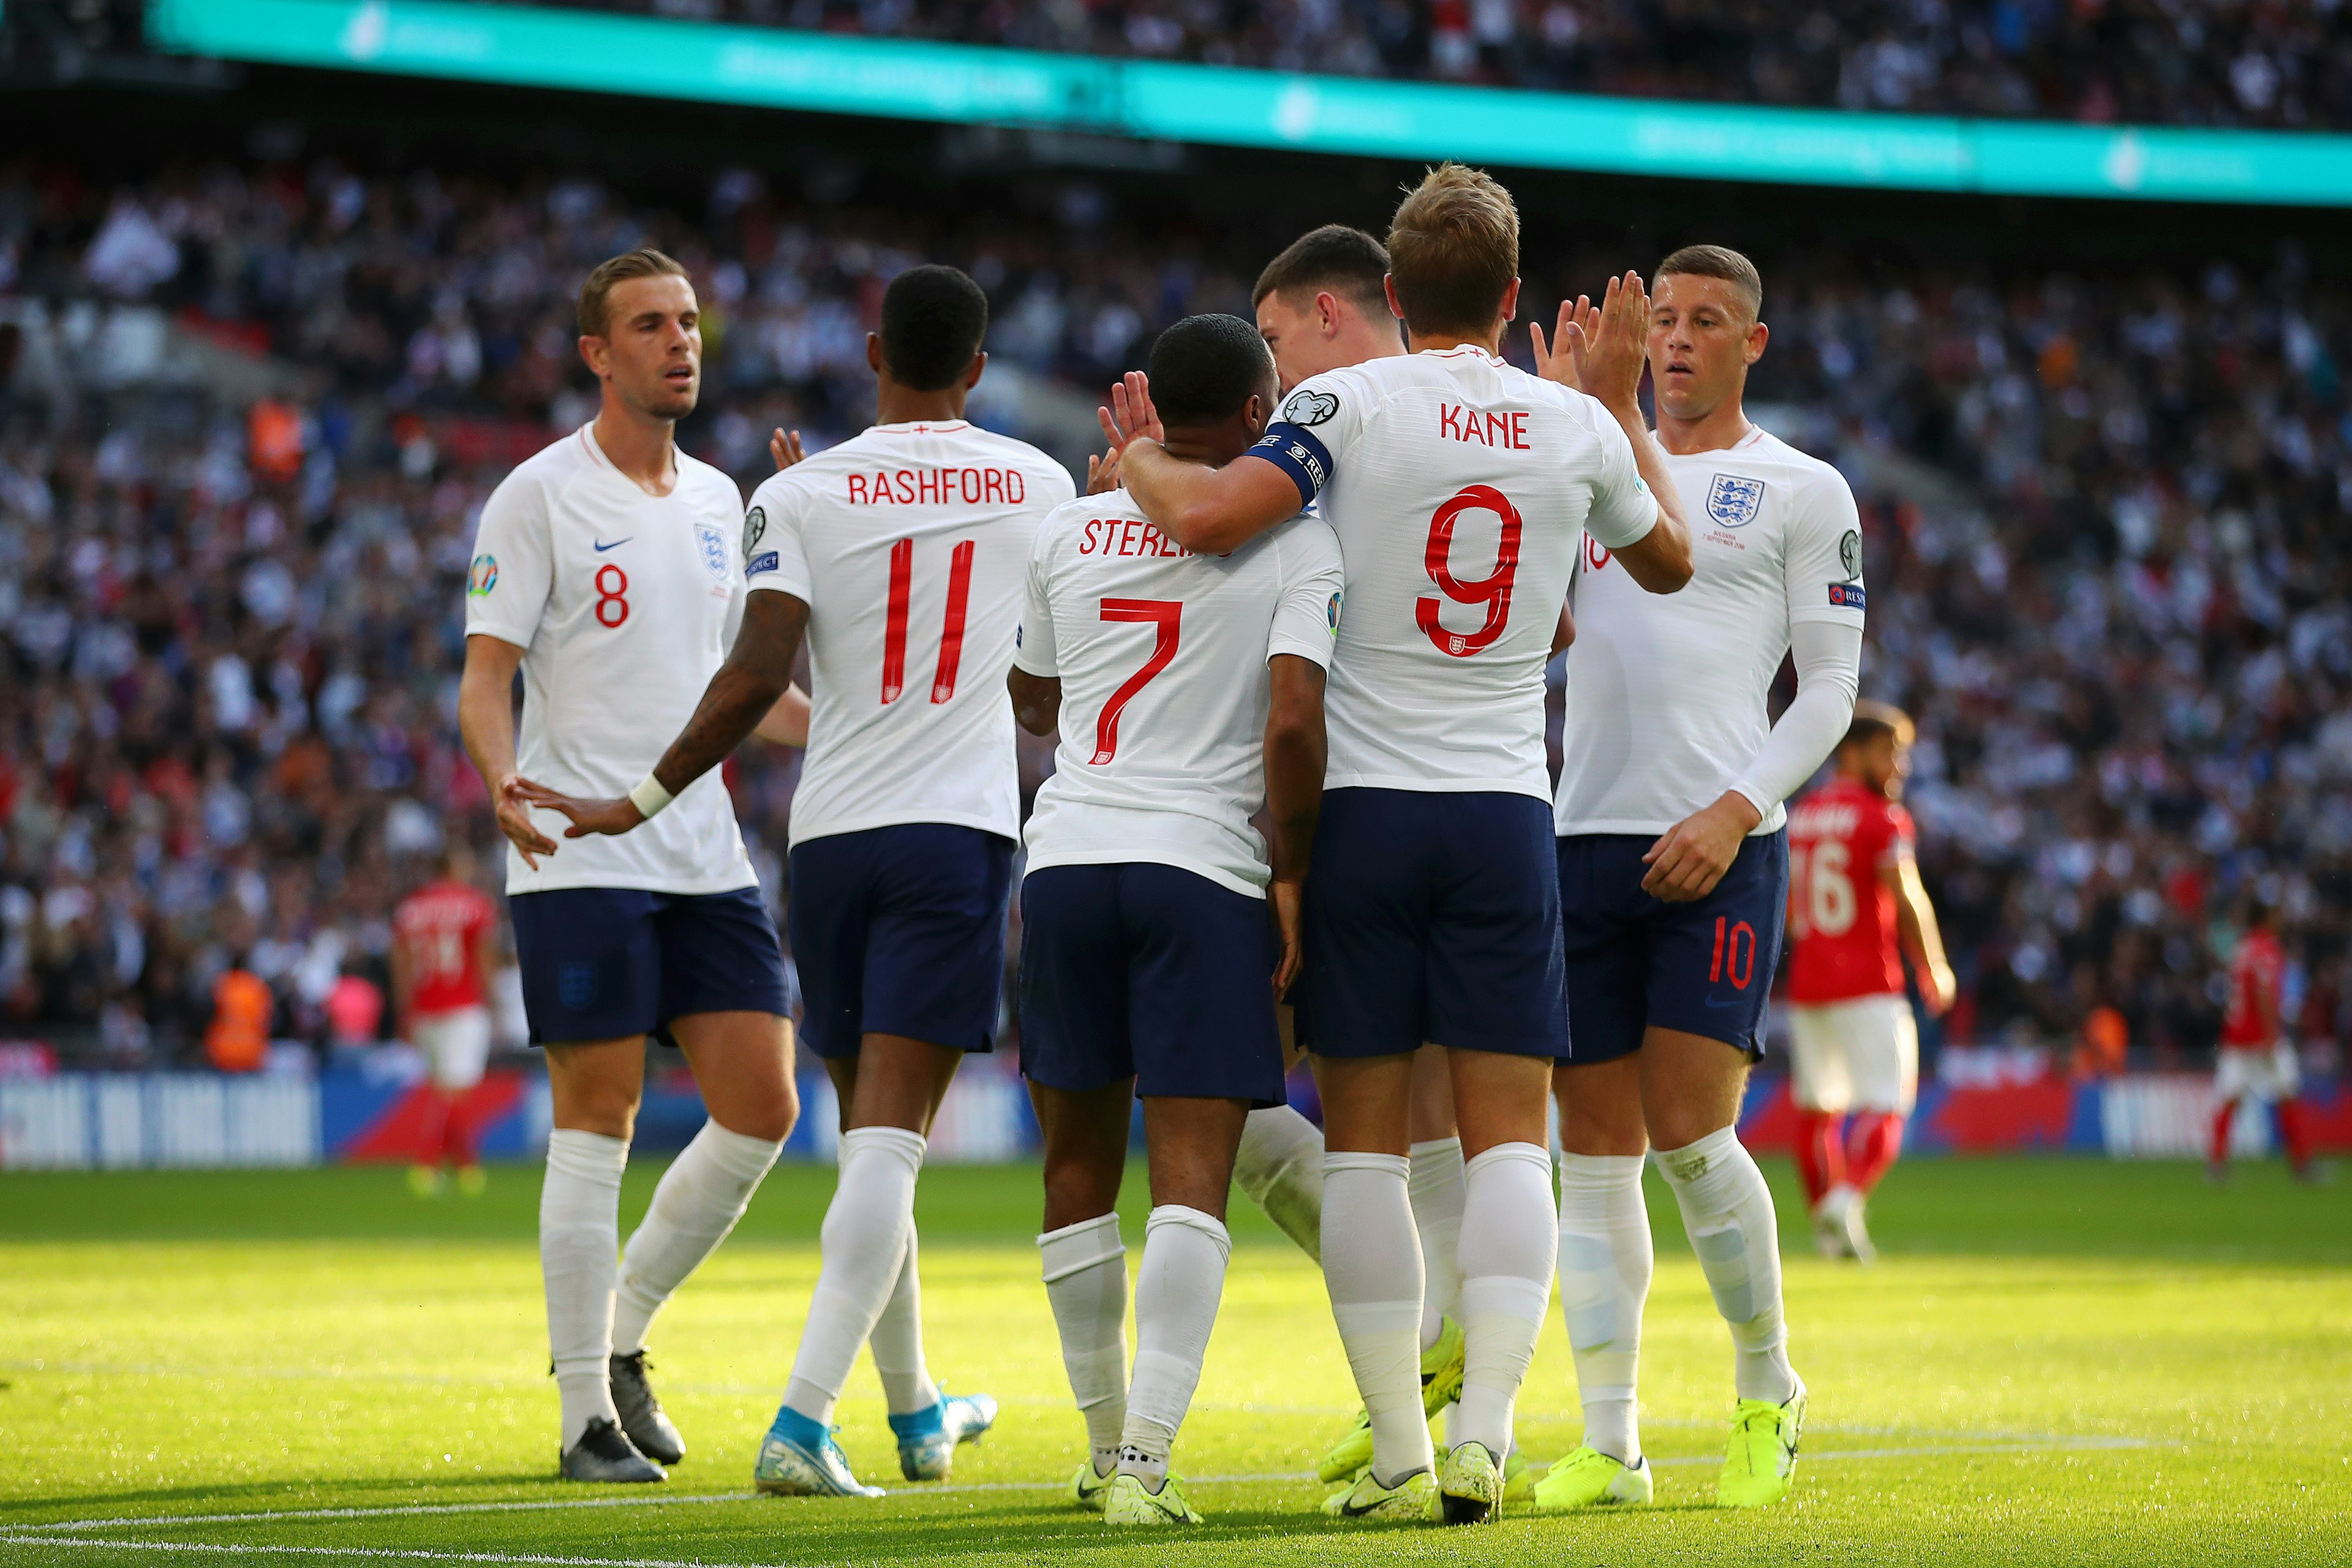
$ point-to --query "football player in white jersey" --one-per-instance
(901, 555)
(605, 568)
(1459, 487)
(1322, 305)
(1188, 688)
(1673, 872)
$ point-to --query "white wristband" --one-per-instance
(649, 797)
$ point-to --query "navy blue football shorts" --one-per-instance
(900, 931)
(604, 963)
(1152, 972)
(1635, 962)
(1432, 915)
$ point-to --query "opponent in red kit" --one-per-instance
(444, 938)
(1855, 906)
(2256, 1059)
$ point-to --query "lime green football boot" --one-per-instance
(1519, 1477)
(1089, 1491)
(1470, 1485)
(1590, 1478)
(1414, 1498)
(1442, 1369)
(1759, 1465)
(1132, 1503)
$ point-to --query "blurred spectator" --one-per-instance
(237, 1040)
(2181, 62)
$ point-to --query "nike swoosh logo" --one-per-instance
(601, 546)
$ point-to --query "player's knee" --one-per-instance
(769, 1114)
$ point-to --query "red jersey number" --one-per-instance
(1493, 591)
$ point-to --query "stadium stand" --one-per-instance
(2179, 62)
(251, 409)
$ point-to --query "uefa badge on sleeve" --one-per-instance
(481, 577)
(755, 527)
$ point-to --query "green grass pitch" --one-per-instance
(2057, 1362)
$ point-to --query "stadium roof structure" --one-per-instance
(977, 84)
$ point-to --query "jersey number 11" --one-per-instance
(893, 635)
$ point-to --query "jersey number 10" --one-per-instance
(894, 635)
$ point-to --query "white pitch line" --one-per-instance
(412, 1554)
(65, 1530)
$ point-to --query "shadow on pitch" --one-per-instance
(360, 1491)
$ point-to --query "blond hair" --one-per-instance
(595, 315)
(1453, 250)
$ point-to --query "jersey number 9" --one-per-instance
(1494, 592)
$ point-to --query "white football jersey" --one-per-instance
(1666, 692)
(1161, 655)
(625, 604)
(1458, 487)
(909, 544)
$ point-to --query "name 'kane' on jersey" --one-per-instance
(1458, 485)
(910, 544)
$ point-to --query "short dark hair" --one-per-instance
(1205, 367)
(1345, 260)
(1871, 719)
(933, 319)
(596, 317)
(1454, 249)
(1717, 261)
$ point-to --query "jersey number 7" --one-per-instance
(894, 635)
(1168, 616)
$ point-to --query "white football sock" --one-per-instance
(897, 1342)
(865, 1246)
(1086, 1284)
(1509, 1245)
(1176, 1288)
(579, 1262)
(1371, 1266)
(1279, 1167)
(1605, 1263)
(701, 1197)
(1728, 1210)
(1435, 1185)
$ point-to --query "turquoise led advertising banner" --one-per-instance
(967, 84)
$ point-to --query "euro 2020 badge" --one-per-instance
(1732, 499)
(481, 577)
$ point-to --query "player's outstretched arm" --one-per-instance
(486, 724)
(787, 723)
(1295, 752)
(1209, 511)
(1606, 350)
(1036, 700)
(758, 670)
(1915, 922)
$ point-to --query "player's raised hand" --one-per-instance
(512, 800)
(1579, 322)
(1286, 896)
(1690, 857)
(1610, 351)
(1130, 414)
(617, 815)
(1102, 472)
(784, 447)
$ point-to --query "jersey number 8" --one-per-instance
(1494, 592)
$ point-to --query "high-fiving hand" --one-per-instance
(1599, 348)
(1129, 418)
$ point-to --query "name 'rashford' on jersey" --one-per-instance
(1458, 487)
(1667, 693)
(1161, 655)
(625, 604)
(910, 544)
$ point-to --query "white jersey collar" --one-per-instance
(1456, 352)
(924, 427)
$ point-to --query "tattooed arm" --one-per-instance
(757, 669)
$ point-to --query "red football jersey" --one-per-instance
(440, 927)
(2256, 972)
(1842, 931)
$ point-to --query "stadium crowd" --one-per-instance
(2178, 62)
(233, 633)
